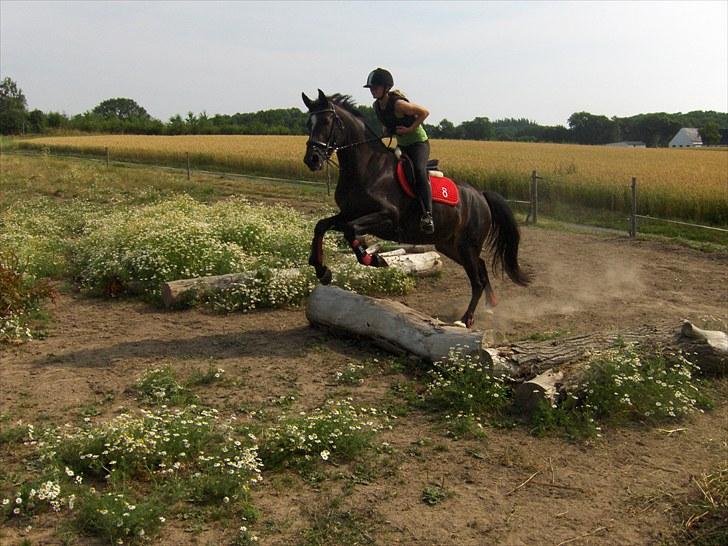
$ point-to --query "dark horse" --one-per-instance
(372, 202)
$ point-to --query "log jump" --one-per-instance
(390, 325)
(420, 264)
(541, 370)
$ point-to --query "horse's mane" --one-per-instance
(347, 103)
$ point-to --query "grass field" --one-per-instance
(690, 185)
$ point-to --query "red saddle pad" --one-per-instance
(444, 190)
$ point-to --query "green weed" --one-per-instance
(159, 386)
(464, 391)
(336, 431)
(625, 385)
(119, 518)
(707, 509)
(21, 298)
(433, 494)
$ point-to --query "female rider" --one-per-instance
(403, 119)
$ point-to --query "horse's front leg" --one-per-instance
(376, 221)
(316, 259)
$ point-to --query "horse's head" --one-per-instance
(324, 126)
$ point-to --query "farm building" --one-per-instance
(628, 144)
(687, 137)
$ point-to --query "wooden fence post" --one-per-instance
(633, 216)
(534, 197)
(107, 157)
(188, 165)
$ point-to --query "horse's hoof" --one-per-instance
(466, 322)
(325, 277)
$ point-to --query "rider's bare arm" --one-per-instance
(410, 109)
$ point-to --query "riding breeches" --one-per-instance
(419, 153)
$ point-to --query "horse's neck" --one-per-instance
(360, 166)
(356, 162)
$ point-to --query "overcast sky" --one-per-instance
(539, 60)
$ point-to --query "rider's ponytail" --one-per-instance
(399, 94)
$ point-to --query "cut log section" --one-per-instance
(543, 388)
(390, 325)
(707, 348)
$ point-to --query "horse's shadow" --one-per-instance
(286, 344)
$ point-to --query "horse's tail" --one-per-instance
(504, 237)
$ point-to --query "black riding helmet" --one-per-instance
(379, 76)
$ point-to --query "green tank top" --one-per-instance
(418, 135)
(389, 119)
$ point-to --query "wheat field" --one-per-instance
(689, 184)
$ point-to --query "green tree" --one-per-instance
(591, 129)
(446, 129)
(478, 128)
(13, 108)
(121, 109)
(37, 121)
(176, 126)
(56, 120)
(710, 133)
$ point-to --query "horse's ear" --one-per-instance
(308, 102)
(322, 97)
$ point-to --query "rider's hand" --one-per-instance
(402, 130)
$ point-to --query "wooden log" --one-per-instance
(543, 388)
(183, 290)
(395, 252)
(415, 249)
(391, 325)
(707, 348)
(419, 265)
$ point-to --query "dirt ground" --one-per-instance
(619, 489)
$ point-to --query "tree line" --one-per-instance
(124, 115)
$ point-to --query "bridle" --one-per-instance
(328, 148)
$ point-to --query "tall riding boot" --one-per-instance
(427, 225)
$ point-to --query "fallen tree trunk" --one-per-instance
(546, 368)
(705, 348)
(392, 325)
(183, 290)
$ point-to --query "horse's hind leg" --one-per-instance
(470, 264)
(489, 294)
(467, 256)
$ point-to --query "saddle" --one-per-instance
(444, 189)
